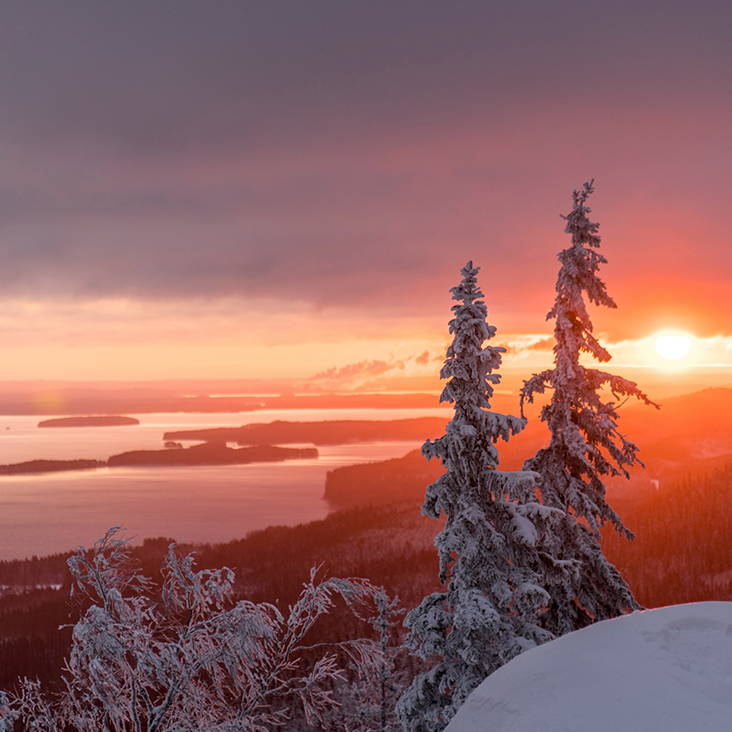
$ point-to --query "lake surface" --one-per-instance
(50, 513)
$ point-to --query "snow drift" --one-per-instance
(663, 670)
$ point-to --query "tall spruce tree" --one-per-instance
(585, 444)
(488, 548)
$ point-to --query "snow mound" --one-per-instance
(663, 670)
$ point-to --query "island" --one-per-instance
(91, 421)
(49, 466)
(211, 453)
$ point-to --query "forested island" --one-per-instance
(90, 421)
(208, 453)
(211, 453)
(49, 466)
(261, 443)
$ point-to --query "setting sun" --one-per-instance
(673, 347)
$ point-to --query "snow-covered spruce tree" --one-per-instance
(488, 549)
(195, 661)
(585, 444)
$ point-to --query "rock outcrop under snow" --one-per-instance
(663, 670)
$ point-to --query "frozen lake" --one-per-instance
(49, 513)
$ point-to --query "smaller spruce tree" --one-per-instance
(380, 682)
(488, 548)
(585, 444)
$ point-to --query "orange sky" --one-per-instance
(261, 191)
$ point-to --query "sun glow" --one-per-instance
(673, 347)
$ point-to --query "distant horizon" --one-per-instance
(658, 384)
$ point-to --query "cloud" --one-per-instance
(356, 155)
(366, 373)
(719, 342)
(545, 344)
(364, 368)
(152, 76)
(520, 347)
(352, 375)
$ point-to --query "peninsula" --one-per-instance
(334, 432)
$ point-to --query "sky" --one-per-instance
(287, 189)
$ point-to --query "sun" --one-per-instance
(673, 347)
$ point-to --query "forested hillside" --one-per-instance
(682, 551)
(390, 545)
(683, 546)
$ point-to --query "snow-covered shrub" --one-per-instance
(8, 715)
(192, 659)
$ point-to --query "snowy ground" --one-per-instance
(663, 670)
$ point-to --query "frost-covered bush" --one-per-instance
(488, 550)
(585, 443)
(192, 659)
(7, 714)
